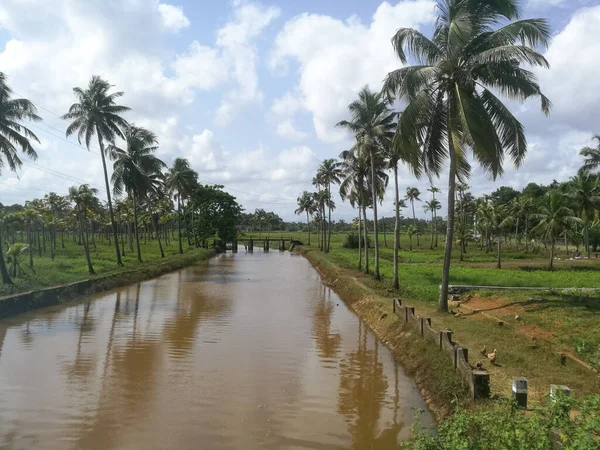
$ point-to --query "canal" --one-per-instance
(245, 351)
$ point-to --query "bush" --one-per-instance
(352, 240)
(506, 427)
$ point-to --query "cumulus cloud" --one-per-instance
(283, 110)
(336, 57)
(173, 17)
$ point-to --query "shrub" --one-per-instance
(505, 427)
(352, 241)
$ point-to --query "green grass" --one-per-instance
(69, 264)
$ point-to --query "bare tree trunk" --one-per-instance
(308, 224)
(366, 237)
(374, 189)
(443, 302)
(137, 231)
(499, 263)
(396, 283)
(110, 207)
(359, 240)
(179, 222)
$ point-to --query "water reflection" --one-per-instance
(249, 350)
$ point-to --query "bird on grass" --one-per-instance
(492, 356)
(484, 350)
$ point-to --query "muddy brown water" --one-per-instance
(246, 351)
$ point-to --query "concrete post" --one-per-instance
(481, 384)
(519, 391)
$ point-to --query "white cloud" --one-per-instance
(283, 110)
(173, 17)
(336, 58)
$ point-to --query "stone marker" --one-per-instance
(519, 391)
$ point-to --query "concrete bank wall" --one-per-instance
(26, 301)
(478, 380)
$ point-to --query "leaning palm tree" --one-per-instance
(133, 166)
(412, 195)
(591, 155)
(329, 172)
(306, 205)
(14, 137)
(96, 113)
(372, 123)
(178, 180)
(555, 217)
(476, 50)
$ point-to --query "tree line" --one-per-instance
(450, 85)
(150, 196)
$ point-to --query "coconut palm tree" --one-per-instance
(497, 218)
(13, 135)
(306, 205)
(329, 172)
(84, 198)
(178, 180)
(412, 195)
(554, 218)
(434, 190)
(432, 206)
(591, 155)
(373, 124)
(96, 113)
(30, 216)
(586, 201)
(477, 50)
(15, 251)
(132, 168)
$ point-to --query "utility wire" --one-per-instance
(61, 175)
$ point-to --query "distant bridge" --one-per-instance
(280, 243)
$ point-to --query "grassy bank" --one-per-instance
(538, 325)
(69, 264)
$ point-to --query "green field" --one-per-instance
(69, 264)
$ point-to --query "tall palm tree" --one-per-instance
(179, 179)
(434, 190)
(432, 206)
(586, 201)
(477, 49)
(306, 205)
(329, 172)
(30, 216)
(372, 123)
(395, 154)
(132, 168)
(83, 197)
(555, 217)
(96, 113)
(412, 195)
(14, 136)
(591, 155)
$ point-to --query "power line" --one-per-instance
(61, 175)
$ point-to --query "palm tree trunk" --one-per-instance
(499, 263)
(396, 283)
(110, 206)
(185, 223)
(3, 271)
(308, 224)
(122, 239)
(62, 238)
(86, 249)
(129, 235)
(179, 223)
(552, 254)
(374, 188)
(412, 202)
(436, 228)
(329, 230)
(431, 246)
(586, 235)
(526, 237)
(366, 237)
(324, 234)
(359, 240)
(443, 301)
(44, 237)
(566, 243)
(156, 227)
(52, 240)
(196, 242)
(39, 244)
(137, 231)
(517, 233)
(30, 246)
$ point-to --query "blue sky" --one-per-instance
(250, 91)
